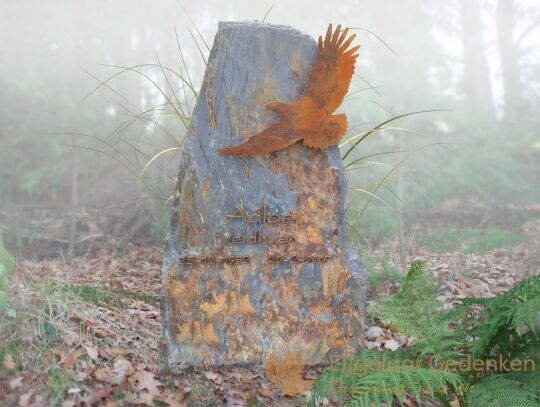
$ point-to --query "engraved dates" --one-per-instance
(271, 258)
(211, 259)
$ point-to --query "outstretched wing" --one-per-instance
(273, 138)
(331, 75)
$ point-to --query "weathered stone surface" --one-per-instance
(239, 313)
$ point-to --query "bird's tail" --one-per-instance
(267, 141)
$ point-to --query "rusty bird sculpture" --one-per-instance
(311, 118)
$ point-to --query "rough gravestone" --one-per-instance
(257, 259)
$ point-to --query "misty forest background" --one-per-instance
(471, 184)
(95, 102)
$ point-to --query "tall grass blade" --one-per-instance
(377, 37)
(198, 47)
(155, 157)
(268, 12)
(379, 126)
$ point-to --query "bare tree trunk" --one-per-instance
(401, 222)
(508, 51)
(74, 202)
(477, 85)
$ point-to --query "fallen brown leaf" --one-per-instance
(172, 400)
(9, 363)
(16, 383)
(286, 373)
(72, 357)
(102, 394)
(216, 378)
(92, 352)
(81, 375)
(70, 338)
(391, 344)
(121, 370)
(24, 400)
(102, 374)
(146, 399)
(143, 380)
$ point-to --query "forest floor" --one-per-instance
(86, 332)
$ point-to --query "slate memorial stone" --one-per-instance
(257, 259)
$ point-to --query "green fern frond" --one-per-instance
(506, 314)
(414, 310)
(500, 391)
(373, 378)
(527, 314)
(527, 288)
(530, 380)
(478, 329)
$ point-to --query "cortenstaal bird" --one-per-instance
(311, 118)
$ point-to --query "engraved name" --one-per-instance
(261, 215)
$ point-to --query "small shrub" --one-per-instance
(7, 262)
(3, 301)
(85, 292)
(382, 272)
(58, 382)
(6, 258)
(4, 284)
